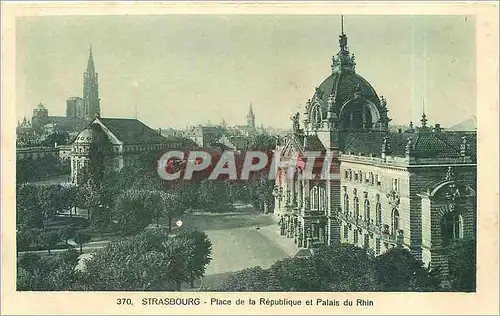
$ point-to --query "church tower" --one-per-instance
(91, 106)
(251, 118)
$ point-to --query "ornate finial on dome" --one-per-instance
(343, 37)
(343, 61)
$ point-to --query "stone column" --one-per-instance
(305, 195)
(293, 188)
(299, 192)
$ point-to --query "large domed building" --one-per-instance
(344, 99)
(113, 143)
(369, 186)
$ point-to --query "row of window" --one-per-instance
(368, 178)
(366, 240)
(132, 148)
(368, 214)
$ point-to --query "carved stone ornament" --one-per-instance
(394, 198)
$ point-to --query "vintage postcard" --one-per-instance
(249, 158)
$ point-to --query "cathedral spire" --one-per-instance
(251, 118)
(90, 63)
(91, 102)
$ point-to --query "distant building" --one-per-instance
(251, 118)
(32, 153)
(113, 143)
(74, 107)
(204, 136)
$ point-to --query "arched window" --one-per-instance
(314, 198)
(379, 214)
(367, 210)
(318, 198)
(451, 227)
(316, 115)
(395, 221)
(346, 203)
(356, 208)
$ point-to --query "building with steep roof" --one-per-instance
(382, 189)
(113, 143)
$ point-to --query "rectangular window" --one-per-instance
(366, 243)
(377, 246)
(347, 174)
(355, 236)
(346, 232)
(379, 180)
(395, 185)
(356, 176)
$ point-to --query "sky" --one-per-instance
(178, 70)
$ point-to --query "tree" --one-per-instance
(171, 205)
(248, 280)
(133, 212)
(70, 199)
(100, 219)
(345, 267)
(398, 270)
(28, 209)
(461, 257)
(39, 274)
(296, 274)
(139, 263)
(50, 238)
(197, 250)
(61, 138)
(24, 238)
(213, 195)
(263, 142)
(81, 238)
(51, 199)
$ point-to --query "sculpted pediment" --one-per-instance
(291, 148)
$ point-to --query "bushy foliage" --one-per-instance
(35, 273)
(461, 257)
(337, 268)
(149, 261)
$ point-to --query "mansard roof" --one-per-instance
(423, 144)
(132, 131)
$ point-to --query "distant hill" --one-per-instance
(467, 125)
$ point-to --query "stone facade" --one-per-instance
(368, 186)
(112, 143)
